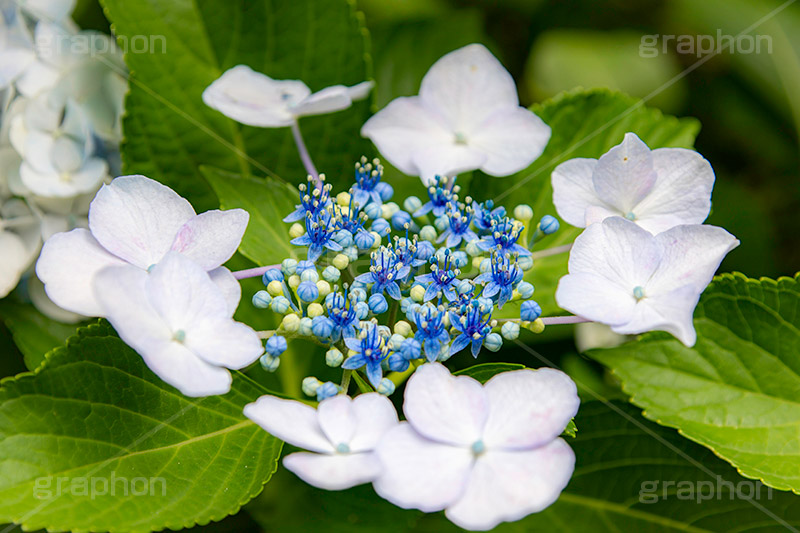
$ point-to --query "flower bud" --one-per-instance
(327, 390)
(376, 243)
(269, 363)
(262, 299)
(412, 203)
(323, 287)
(296, 231)
(344, 238)
(428, 233)
(493, 342)
(523, 212)
(381, 227)
(403, 328)
(372, 210)
(465, 286)
(290, 323)
(280, 305)
(397, 363)
(307, 291)
(548, 225)
(309, 275)
(334, 358)
(530, 311)
(331, 273)
(400, 219)
(377, 304)
(310, 385)
(525, 262)
(388, 209)
(411, 349)
(288, 266)
(525, 290)
(510, 330)
(340, 262)
(359, 293)
(364, 240)
(322, 327)
(293, 281)
(472, 249)
(385, 190)
(275, 288)
(351, 252)
(362, 310)
(304, 328)
(418, 293)
(459, 259)
(302, 266)
(385, 387)
(314, 310)
(273, 274)
(396, 341)
(537, 326)
(343, 199)
(441, 223)
(276, 345)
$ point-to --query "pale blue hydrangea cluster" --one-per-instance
(386, 287)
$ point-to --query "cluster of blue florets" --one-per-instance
(386, 287)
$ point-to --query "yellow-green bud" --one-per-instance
(290, 323)
(296, 230)
(523, 212)
(343, 199)
(476, 262)
(537, 326)
(294, 281)
(324, 288)
(377, 242)
(275, 288)
(402, 328)
(417, 293)
(341, 261)
(315, 309)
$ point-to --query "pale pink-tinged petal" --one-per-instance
(681, 194)
(375, 415)
(447, 159)
(691, 255)
(573, 190)
(224, 342)
(671, 312)
(467, 86)
(617, 250)
(68, 264)
(337, 420)
(594, 298)
(211, 238)
(507, 486)
(625, 174)
(512, 139)
(402, 129)
(183, 295)
(290, 421)
(255, 99)
(13, 262)
(333, 472)
(418, 473)
(528, 408)
(445, 408)
(230, 287)
(598, 213)
(137, 218)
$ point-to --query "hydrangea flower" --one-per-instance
(368, 186)
(440, 193)
(623, 276)
(431, 329)
(384, 271)
(657, 189)
(442, 278)
(370, 349)
(342, 312)
(503, 236)
(177, 319)
(485, 454)
(467, 116)
(136, 221)
(255, 99)
(318, 236)
(501, 280)
(340, 435)
(460, 217)
(486, 214)
(312, 201)
(474, 322)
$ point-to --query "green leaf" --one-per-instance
(93, 415)
(584, 124)
(34, 333)
(484, 372)
(268, 201)
(630, 475)
(571, 430)
(737, 391)
(170, 132)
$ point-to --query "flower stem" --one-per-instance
(304, 155)
(265, 334)
(552, 251)
(554, 320)
(253, 272)
(346, 380)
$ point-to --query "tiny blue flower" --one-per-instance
(440, 195)
(431, 331)
(370, 350)
(319, 235)
(384, 271)
(501, 280)
(474, 321)
(368, 177)
(530, 311)
(503, 236)
(276, 345)
(441, 279)
(308, 291)
(311, 202)
(377, 304)
(342, 312)
(486, 213)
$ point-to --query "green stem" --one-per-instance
(289, 375)
(393, 315)
(346, 380)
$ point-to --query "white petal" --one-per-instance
(681, 194)
(507, 486)
(290, 421)
(47, 307)
(12, 263)
(595, 298)
(625, 175)
(361, 90)
(176, 365)
(336, 418)
(691, 255)
(183, 294)
(528, 408)
(37, 78)
(512, 139)
(255, 99)
(328, 100)
(671, 312)
(618, 250)
(447, 159)
(418, 473)
(13, 63)
(67, 266)
(224, 342)
(573, 190)
(402, 129)
(49, 10)
(445, 408)
(333, 472)
(466, 86)
(230, 287)
(211, 238)
(137, 218)
(375, 415)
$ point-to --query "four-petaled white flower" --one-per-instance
(467, 116)
(136, 221)
(255, 99)
(658, 189)
(341, 433)
(179, 322)
(623, 276)
(485, 454)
